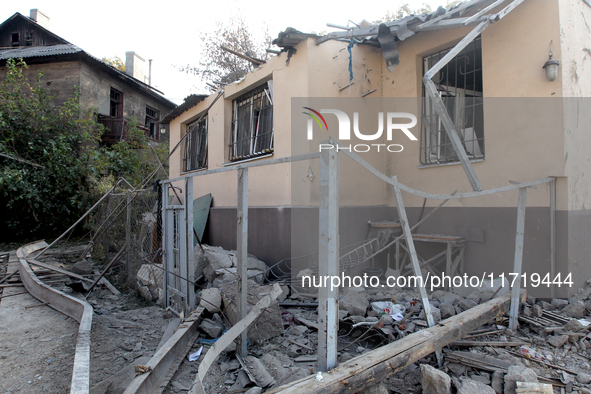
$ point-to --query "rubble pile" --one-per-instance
(550, 351)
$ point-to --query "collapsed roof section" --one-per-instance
(387, 35)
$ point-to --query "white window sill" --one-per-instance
(194, 171)
(247, 160)
(455, 163)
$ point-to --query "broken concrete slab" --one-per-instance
(557, 340)
(518, 373)
(211, 299)
(212, 328)
(447, 310)
(149, 279)
(470, 386)
(465, 304)
(82, 267)
(497, 382)
(573, 325)
(268, 326)
(434, 381)
(558, 303)
(258, 370)
(576, 310)
(355, 303)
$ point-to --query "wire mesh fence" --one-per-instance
(130, 220)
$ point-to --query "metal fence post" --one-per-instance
(516, 285)
(190, 245)
(166, 246)
(128, 233)
(242, 252)
(414, 260)
(328, 255)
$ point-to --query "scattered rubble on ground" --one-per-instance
(552, 346)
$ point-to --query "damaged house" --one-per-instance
(116, 95)
(515, 121)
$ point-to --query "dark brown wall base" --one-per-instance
(278, 233)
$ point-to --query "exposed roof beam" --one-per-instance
(449, 13)
(484, 11)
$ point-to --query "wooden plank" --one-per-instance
(167, 358)
(487, 343)
(366, 370)
(61, 271)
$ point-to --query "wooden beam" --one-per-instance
(366, 370)
(61, 271)
(256, 62)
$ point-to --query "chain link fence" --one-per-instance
(130, 221)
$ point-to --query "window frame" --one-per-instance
(196, 141)
(119, 103)
(153, 121)
(460, 100)
(252, 134)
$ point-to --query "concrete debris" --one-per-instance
(558, 303)
(557, 340)
(254, 390)
(470, 386)
(149, 281)
(447, 310)
(212, 328)
(434, 381)
(355, 303)
(257, 369)
(576, 310)
(584, 378)
(377, 389)
(518, 373)
(213, 261)
(211, 299)
(82, 267)
(465, 304)
(497, 382)
(268, 326)
(574, 325)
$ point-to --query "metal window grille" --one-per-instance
(459, 84)
(252, 124)
(195, 152)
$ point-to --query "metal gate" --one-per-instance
(177, 247)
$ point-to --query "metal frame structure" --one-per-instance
(180, 263)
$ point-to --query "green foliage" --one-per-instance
(405, 10)
(52, 167)
(59, 139)
(115, 61)
(219, 65)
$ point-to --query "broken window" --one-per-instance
(252, 123)
(15, 39)
(116, 104)
(152, 122)
(195, 152)
(459, 84)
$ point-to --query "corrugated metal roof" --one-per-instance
(189, 102)
(39, 51)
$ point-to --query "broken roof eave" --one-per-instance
(412, 24)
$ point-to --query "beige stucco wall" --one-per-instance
(523, 123)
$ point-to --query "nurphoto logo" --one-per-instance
(344, 132)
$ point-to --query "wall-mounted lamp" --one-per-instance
(551, 66)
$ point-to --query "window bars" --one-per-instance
(252, 124)
(459, 84)
(195, 152)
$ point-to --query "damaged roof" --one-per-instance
(189, 102)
